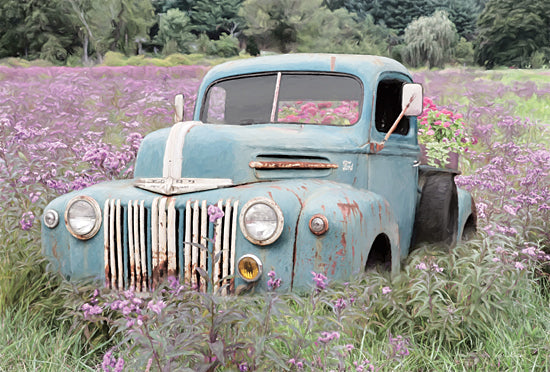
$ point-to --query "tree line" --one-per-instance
(417, 32)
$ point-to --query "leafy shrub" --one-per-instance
(114, 59)
(464, 52)
(538, 59)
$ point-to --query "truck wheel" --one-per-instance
(436, 217)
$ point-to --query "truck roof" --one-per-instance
(365, 66)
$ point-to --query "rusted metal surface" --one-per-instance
(119, 246)
(172, 260)
(127, 248)
(106, 245)
(291, 165)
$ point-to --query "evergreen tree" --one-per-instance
(276, 23)
(214, 17)
(12, 16)
(512, 31)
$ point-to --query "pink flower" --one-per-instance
(324, 105)
(386, 290)
(430, 132)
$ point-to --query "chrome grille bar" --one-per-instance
(144, 245)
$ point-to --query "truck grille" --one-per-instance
(144, 245)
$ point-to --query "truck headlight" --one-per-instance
(83, 217)
(261, 221)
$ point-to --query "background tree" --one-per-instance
(274, 24)
(398, 14)
(512, 31)
(215, 17)
(12, 16)
(175, 28)
(429, 41)
(339, 32)
(131, 22)
(464, 14)
(162, 6)
(35, 29)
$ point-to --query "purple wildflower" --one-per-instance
(363, 366)
(320, 280)
(214, 213)
(243, 367)
(156, 307)
(340, 304)
(273, 282)
(27, 219)
(386, 290)
(398, 347)
(326, 337)
(90, 310)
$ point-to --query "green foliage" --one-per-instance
(53, 51)
(398, 15)
(25, 27)
(175, 26)
(276, 24)
(162, 6)
(338, 32)
(226, 46)
(464, 52)
(217, 17)
(455, 302)
(429, 41)
(510, 31)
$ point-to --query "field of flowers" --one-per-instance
(482, 306)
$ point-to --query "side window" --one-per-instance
(215, 113)
(388, 107)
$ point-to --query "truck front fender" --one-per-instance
(356, 219)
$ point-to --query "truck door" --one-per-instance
(393, 171)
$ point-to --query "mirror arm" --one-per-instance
(380, 146)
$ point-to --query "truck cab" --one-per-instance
(313, 160)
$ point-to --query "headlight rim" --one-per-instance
(55, 217)
(278, 212)
(98, 217)
(258, 263)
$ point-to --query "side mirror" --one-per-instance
(412, 102)
(178, 103)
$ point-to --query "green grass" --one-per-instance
(32, 342)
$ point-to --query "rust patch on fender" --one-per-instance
(343, 240)
(349, 208)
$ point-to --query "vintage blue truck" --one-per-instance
(313, 159)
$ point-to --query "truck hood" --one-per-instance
(243, 154)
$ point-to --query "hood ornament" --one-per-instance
(175, 186)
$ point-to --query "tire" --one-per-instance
(436, 218)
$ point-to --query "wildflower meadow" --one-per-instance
(481, 305)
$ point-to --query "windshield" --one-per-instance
(305, 98)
